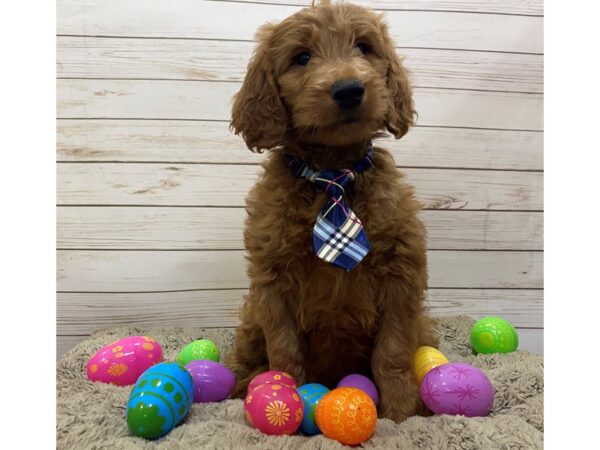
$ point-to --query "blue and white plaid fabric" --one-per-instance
(338, 235)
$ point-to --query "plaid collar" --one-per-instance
(338, 235)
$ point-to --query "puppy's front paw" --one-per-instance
(394, 412)
(398, 412)
(239, 390)
(399, 396)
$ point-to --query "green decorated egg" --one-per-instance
(197, 350)
(494, 335)
(160, 400)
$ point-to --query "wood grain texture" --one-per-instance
(224, 20)
(96, 57)
(212, 142)
(228, 185)
(80, 314)
(222, 229)
(531, 340)
(527, 7)
(149, 271)
(523, 308)
(160, 99)
(86, 313)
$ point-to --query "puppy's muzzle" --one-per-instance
(348, 94)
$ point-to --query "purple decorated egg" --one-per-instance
(363, 383)
(457, 389)
(213, 382)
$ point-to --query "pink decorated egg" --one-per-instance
(272, 376)
(274, 408)
(457, 389)
(122, 362)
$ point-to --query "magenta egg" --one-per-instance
(213, 382)
(457, 389)
(361, 382)
(272, 376)
(123, 361)
(274, 408)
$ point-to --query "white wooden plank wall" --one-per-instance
(147, 234)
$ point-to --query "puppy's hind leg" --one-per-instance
(428, 331)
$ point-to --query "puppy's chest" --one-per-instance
(331, 299)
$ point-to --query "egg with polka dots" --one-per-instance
(123, 361)
(494, 335)
(160, 400)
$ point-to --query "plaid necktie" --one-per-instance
(338, 235)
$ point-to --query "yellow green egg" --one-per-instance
(494, 335)
(201, 349)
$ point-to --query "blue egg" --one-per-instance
(311, 394)
(160, 399)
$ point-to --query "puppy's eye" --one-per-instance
(302, 58)
(364, 47)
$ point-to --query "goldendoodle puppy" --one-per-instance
(337, 255)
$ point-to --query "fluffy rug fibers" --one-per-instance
(92, 415)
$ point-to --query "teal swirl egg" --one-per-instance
(311, 394)
(160, 399)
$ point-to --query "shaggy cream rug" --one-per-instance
(92, 415)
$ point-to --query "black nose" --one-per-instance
(348, 93)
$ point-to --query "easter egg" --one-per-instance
(361, 382)
(425, 359)
(457, 389)
(272, 376)
(123, 361)
(200, 349)
(494, 335)
(311, 394)
(274, 408)
(347, 415)
(213, 382)
(160, 400)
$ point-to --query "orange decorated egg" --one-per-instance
(122, 362)
(272, 376)
(347, 415)
(274, 408)
(425, 359)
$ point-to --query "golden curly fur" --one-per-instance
(302, 315)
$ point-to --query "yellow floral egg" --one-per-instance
(425, 359)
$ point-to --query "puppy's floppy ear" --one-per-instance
(258, 113)
(401, 112)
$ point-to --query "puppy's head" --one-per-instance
(328, 74)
